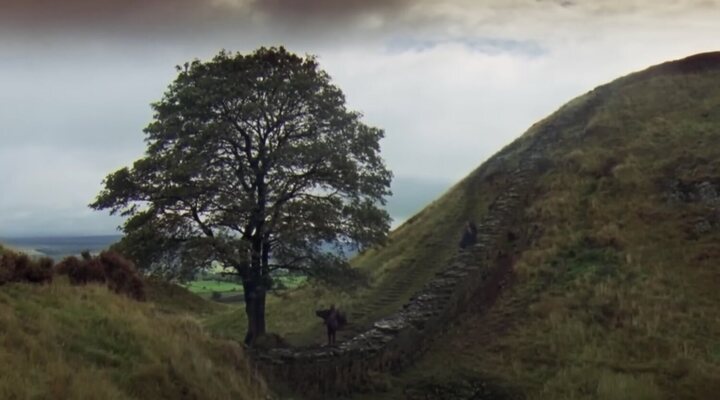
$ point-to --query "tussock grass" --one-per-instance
(59, 341)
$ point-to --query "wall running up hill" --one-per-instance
(398, 339)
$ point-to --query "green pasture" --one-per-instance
(209, 286)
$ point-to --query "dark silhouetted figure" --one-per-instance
(469, 236)
(334, 320)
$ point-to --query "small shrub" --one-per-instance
(39, 271)
(7, 267)
(93, 271)
(121, 275)
(21, 268)
(67, 265)
(109, 267)
(81, 272)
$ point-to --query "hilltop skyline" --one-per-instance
(450, 82)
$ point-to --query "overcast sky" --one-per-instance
(451, 82)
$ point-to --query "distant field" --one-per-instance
(60, 246)
(208, 286)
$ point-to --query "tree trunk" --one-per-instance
(255, 310)
(255, 288)
(257, 284)
(260, 312)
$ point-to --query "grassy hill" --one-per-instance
(59, 341)
(616, 296)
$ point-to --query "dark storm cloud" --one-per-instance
(157, 15)
(328, 8)
(121, 19)
(40, 14)
(137, 17)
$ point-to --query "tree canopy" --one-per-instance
(255, 161)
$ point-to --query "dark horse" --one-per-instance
(334, 320)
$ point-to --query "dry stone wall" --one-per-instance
(400, 338)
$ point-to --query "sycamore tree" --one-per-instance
(254, 161)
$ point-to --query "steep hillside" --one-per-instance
(614, 292)
(59, 341)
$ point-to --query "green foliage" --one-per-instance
(254, 161)
(249, 151)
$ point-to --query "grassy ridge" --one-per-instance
(617, 298)
(62, 341)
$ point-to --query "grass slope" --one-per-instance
(60, 341)
(617, 298)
